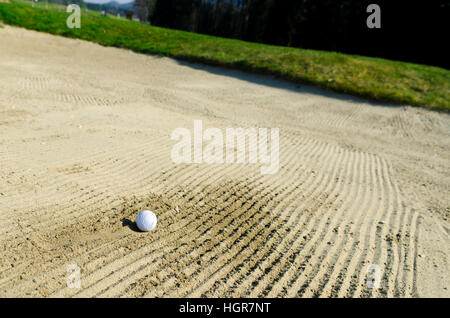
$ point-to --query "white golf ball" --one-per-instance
(146, 221)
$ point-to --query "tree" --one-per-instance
(144, 9)
(333, 25)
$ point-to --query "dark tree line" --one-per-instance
(410, 31)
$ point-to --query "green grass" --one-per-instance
(373, 78)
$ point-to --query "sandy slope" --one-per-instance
(85, 144)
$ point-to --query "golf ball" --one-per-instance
(146, 221)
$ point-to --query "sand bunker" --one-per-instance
(85, 146)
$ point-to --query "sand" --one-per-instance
(85, 146)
